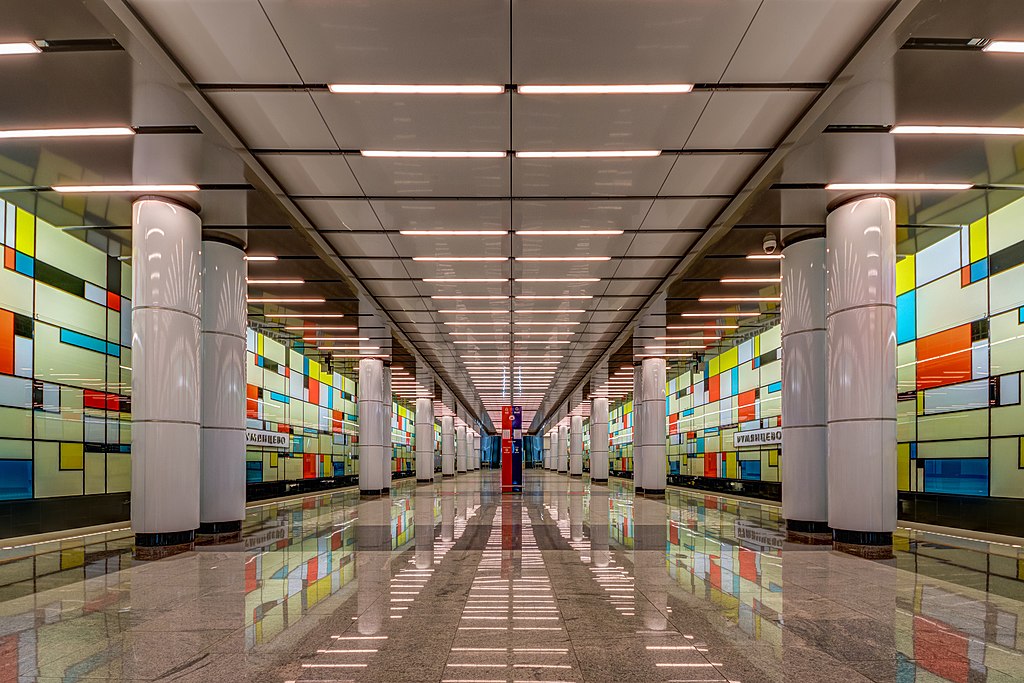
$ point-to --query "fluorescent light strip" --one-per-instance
(475, 297)
(749, 280)
(591, 154)
(898, 187)
(304, 315)
(19, 49)
(739, 299)
(481, 322)
(701, 327)
(530, 311)
(108, 131)
(957, 130)
(573, 233)
(291, 300)
(554, 296)
(689, 338)
(389, 89)
(558, 279)
(563, 258)
(468, 259)
(539, 334)
(480, 334)
(721, 314)
(424, 154)
(765, 257)
(555, 341)
(477, 311)
(637, 89)
(1010, 46)
(452, 233)
(551, 323)
(323, 328)
(79, 189)
(316, 339)
(257, 257)
(465, 279)
(282, 281)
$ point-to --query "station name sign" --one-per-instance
(757, 437)
(259, 437)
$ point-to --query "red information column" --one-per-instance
(511, 449)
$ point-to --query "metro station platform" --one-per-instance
(569, 582)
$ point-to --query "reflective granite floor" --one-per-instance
(570, 582)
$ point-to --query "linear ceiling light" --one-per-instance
(472, 297)
(547, 322)
(471, 341)
(558, 279)
(765, 257)
(739, 299)
(563, 258)
(281, 281)
(304, 315)
(321, 328)
(544, 334)
(591, 154)
(1014, 46)
(107, 131)
(347, 339)
(702, 327)
(289, 300)
(388, 89)
(74, 189)
(749, 280)
(350, 348)
(468, 259)
(474, 312)
(479, 334)
(572, 233)
(452, 233)
(555, 311)
(692, 337)
(721, 314)
(554, 296)
(482, 322)
(256, 257)
(19, 49)
(465, 279)
(898, 187)
(638, 89)
(957, 130)
(552, 341)
(423, 154)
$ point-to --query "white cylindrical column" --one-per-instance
(372, 448)
(447, 446)
(576, 446)
(424, 440)
(638, 430)
(546, 446)
(861, 327)
(387, 464)
(476, 451)
(599, 439)
(222, 404)
(461, 449)
(563, 448)
(655, 464)
(804, 382)
(166, 274)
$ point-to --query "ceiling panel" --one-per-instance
(275, 120)
(220, 41)
(421, 122)
(709, 173)
(748, 119)
(625, 214)
(361, 244)
(335, 214)
(661, 243)
(642, 41)
(450, 246)
(394, 41)
(309, 174)
(431, 177)
(581, 177)
(461, 214)
(682, 213)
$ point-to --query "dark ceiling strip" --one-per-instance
(703, 87)
(856, 128)
(80, 45)
(509, 87)
(925, 43)
(261, 87)
(701, 151)
(224, 186)
(504, 198)
(188, 129)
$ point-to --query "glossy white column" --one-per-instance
(387, 464)
(655, 463)
(563, 448)
(424, 440)
(599, 439)
(576, 446)
(861, 327)
(546, 448)
(804, 382)
(165, 376)
(638, 430)
(461, 449)
(222, 404)
(447, 446)
(476, 451)
(372, 441)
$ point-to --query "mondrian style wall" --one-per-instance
(620, 437)
(403, 442)
(741, 389)
(65, 361)
(290, 393)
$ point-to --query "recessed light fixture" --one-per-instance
(957, 130)
(473, 297)
(336, 328)
(19, 49)
(452, 233)
(749, 280)
(475, 311)
(465, 279)
(739, 299)
(1013, 46)
(702, 327)
(688, 338)
(558, 279)
(288, 300)
(76, 189)
(899, 187)
(467, 259)
(552, 311)
(591, 154)
(544, 334)
(765, 257)
(572, 233)
(348, 339)
(554, 296)
(553, 341)
(563, 258)
(388, 89)
(424, 154)
(469, 341)
(281, 281)
(481, 322)
(107, 131)
(638, 89)
(721, 314)
(546, 322)
(304, 315)
(265, 257)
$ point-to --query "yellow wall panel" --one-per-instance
(905, 275)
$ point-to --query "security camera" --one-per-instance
(770, 243)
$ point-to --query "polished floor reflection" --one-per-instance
(569, 582)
